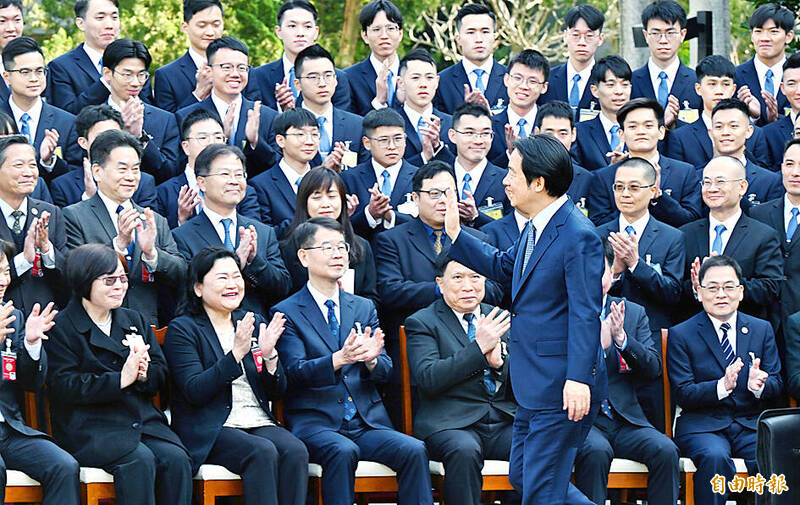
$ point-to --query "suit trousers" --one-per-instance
(338, 452)
(609, 438)
(712, 452)
(43, 460)
(154, 464)
(272, 462)
(543, 447)
(462, 452)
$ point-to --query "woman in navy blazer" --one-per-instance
(225, 370)
(322, 194)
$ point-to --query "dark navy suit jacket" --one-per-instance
(261, 86)
(68, 189)
(692, 144)
(682, 86)
(490, 186)
(581, 184)
(746, 76)
(346, 126)
(776, 135)
(174, 83)
(498, 154)
(451, 87)
(276, 198)
(557, 89)
(361, 78)
(413, 153)
(591, 145)
(314, 400)
(763, 185)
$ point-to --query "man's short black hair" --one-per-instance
(558, 109)
(668, 11)
(532, 59)
(792, 61)
(296, 4)
(715, 66)
(305, 232)
(731, 104)
(608, 251)
(470, 109)
(11, 3)
(297, 117)
(783, 17)
(192, 7)
(429, 171)
(647, 168)
(312, 52)
(81, 6)
(418, 54)
(719, 261)
(545, 156)
(369, 11)
(109, 140)
(10, 140)
(791, 143)
(17, 47)
(202, 165)
(640, 103)
(93, 114)
(589, 13)
(440, 266)
(614, 63)
(195, 117)
(473, 9)
(226, 43)
(87, 263)
(387, 116)
(121, 49)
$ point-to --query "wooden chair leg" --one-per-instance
(689, 489)
(363, 499)
(623, 495)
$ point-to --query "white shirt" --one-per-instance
(475, 176)
(20, 263)
(543, 217)
(460, 316)
(671, 71)
(291, 174)
(521, 220)
(787, 211)
(320, 300)
(730, 223)
(394, 171)
(607, 124)
(530, 118)
(378, 66)
(199, 59)
(585, 74)
(93, 55)
(222, 108)
(638, 226)
(216, 221)
(707, 120)
(469, 68)
(287, 66)
(777, 73)
(111, 207)
(34, 112)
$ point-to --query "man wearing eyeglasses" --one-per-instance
(49, 129)
(11, 26)
(222, 179)
(727, 230)
(724, 370)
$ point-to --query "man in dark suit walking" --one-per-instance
(457, 354)
(555, 271)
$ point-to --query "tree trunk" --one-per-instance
(350, 34)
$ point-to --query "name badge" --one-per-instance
(491, 209)
(9, 362)
(587, 114)
(408, 207)
(687, 114)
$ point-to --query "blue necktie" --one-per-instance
(100, 67)
(324, 138)
(605, 406)
(386, 184)
(521, 124)
(792, 227)
(575, 92)
(420, 126)
(716, 246)
(390, 86)
(727, 350)
(479, 79)
(630, 231)
(234, 126)
(226, 225)
(614, 137)
(488, 381)
(291, 82)
(769, 84)
(132, 245)
(530, 241)
(663, 90)
(25, 126)
(466, 189)
(333, 325)
(297, 184)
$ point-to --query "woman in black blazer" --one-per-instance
(225, 370)
(322, 194)
(105, 368)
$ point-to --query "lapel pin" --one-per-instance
(744, 330)
(34, 211)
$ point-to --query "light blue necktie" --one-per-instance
(716, 246)
(575, 92)
(324, 138)
(727, 350)
(663, 90)
(297, 184)
(769, 84)
(479, 79)
(792, 227)
(333, 325)
(630, 231)
(488, 381)
(390, 86)
(531, 240)
(521, 123)
(291, 82)
(234, 126)
(614, 137)
(605, 406)
(226, 225)
(467, 188)
(26, 126)
(386, 184)
(100, 67)
(420, 126)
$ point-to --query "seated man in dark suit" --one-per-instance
(598, 143)
(383, 182)
(457, 355)
(525, 81)
(78, 183)
(332, 352)
(780, 131)
(727, 230)
(583, 35)
(479, 183)
(49, 129)
(677, 199)
(222, 179)
(691, 142)
(36, 229)
(478, 75)
(73, 74)
(180, 198)
(187, 80)
(426, 127)
(621, 429)
(275, 83)
(373, 81)
(724, 370)
(759, 76)
(247, 124)
(140, 235)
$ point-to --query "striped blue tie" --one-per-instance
(727, 350)
(467, 187)
(226, 225)
(663, 90)
(792, 226)
(531, 240)
(479, 79)
(769, 84)
(575, 93)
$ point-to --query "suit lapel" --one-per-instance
(495, 84)
(420, 240)
(598, 136)
(547, 237)
(448, 317)
(112, 343)
(402, 182)
(211, 335)
(649, 235)
(45, 121)
(683, 79)
(642, 82)
(459, 77)
(487, 180)
(311, 312)
(742, 339)
(84, 63)
(510, 228)
(709, 335)
(701, 134)
(205, 230)
(751, 78)
(101, 213)
(347, 316)
(284, 186)
(411, 131)
(188, 68)
(241, 125)
(738, 234)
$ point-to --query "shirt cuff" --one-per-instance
(624, 343)
(722, 393)
(21, 265)
(35, 350)
(757, 392)
(377, 105)
(84, 196)
(49, 258)
(151, 265)
(634, 266)
(49, 166)
(371, 221)
(389, 223)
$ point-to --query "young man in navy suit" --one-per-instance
(583, 34)
(771, 30)
(180, 198)
(664, 78)
(780, 131)
(724, 370)
(598, 142)
(478, 75)
(676, 199)
(12, 25)
(332, 352)
(275, 83)
(525, 81)
(247, 124)
(373, 81)
(49, 129)
(691, 142)
(555, 272)
(221, 177)
(187, 80)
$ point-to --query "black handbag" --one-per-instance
(778, 453)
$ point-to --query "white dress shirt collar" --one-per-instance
(7, 209)
(530, 119)
(717, 323)
(638, 226)
(607, 124)
(729, 224)
(198, 59)
(216, 221)
(287, 66)
(787, 211)
(671, 71)
(191, 178)
(320, 300)
(413, 116)
(222, 107)
(585, 74)
(290, 173)
(474, 174)
(460, 316)
(520, 220)
(328, 115)
(111, 207)
(394, 171)
(35, 112)
(543, 217)
(777, 73)
(707, 121)
(470, 67)
(378, 65)
(94, 56)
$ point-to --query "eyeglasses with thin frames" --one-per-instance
(110, 280)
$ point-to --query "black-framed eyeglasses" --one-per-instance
(618, 187)
(729, 289)
(26, 72)
(476, 135)
(435, 194)
(204, 138)
(327, 248)
(383, 142)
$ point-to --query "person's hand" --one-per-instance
(658, 181)
(616, 320)
(753, 105)
(334, 158)
(626, 248)
(133, 116)
(475, 96)
(253, 236)
(230, 117)
(511, 139)
(352, 204)
(430, 136)
(6, 318)
(577, 398)
(490, 328)
(732, 374)
(772, 106)
(29, 246)
(452, 219)
(268, 335)
(353, 350)
(89, 186)
(146, 233)
(379, 204)
(244, 248)
(467, 209)
(757, 377)
(188, 200)
(381, 83)
(672, 110)
(38, 322)
(127, 221)
(241, 339)
(43, 233)
(131, 368)
(695, 273)
(48, 146)
(618, 155)
(284, 95)
(495, 356)
(204, 82)
(253, 122)
(370, 346)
